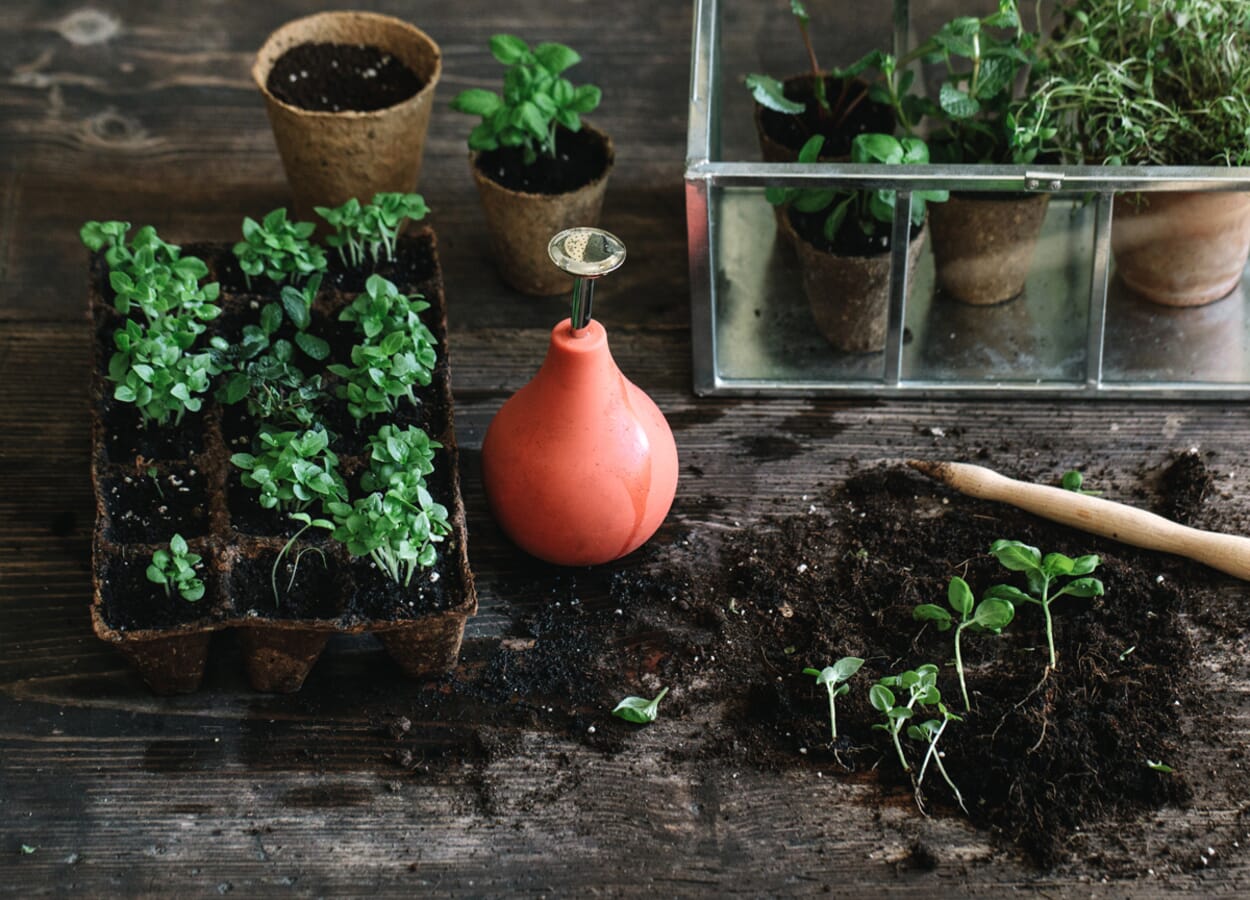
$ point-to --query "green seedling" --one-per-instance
(372, 229)
(308, 522)
(834, 679)
(536, 99)
(1042, 574)
(153, 369)
(1072, 481)
(770, 93)
(399, 458)
(1159, 767)
(991, 615)
(292, 470)
(278, 249)
(639, 710)
(871, 212)
(921, 686)
(175, 568)
(930, 732)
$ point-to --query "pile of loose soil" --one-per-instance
(729, 622)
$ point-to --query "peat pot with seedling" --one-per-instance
(538, 167)
(843, 242)
(300, 442)
(349, 96)
(1165, 83)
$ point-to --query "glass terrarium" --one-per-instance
(1076, 329)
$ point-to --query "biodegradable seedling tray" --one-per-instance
(156, 482)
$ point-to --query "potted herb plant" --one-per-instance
(539, 168)
(1160, 83)
(247, 416)
(835, 105)
(349, 96)
(843, 242)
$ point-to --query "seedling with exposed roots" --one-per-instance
(834, 679)
(991, 615)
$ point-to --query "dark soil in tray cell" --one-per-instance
(352, 439)
(247, 516)
(125, 438)
(336, 77)
(376, 597)
(413, 264)
(148, 508)
(215, 256)
(730, 621)
(233, 281)
(129, 601)
(308, 579)
(580, 158)
(794, 131)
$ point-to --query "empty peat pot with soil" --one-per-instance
(538, 167)
(349, 96)
(843, 242)
(272, 458)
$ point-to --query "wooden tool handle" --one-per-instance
(1226, 552)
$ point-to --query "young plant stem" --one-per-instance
(1050, 631)
(937, 759)
(898, 726)
(959, 667)
(833, 713)
(273, 574)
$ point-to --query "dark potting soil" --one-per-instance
(126, 439)
(412, 266)
(247, 516)
(338, 77)
(854, 116)
(148, 508)
(730, 623)
(309, 583)
(1186, 485)
(130, 601)
(849, 241)
(378, 598)
(581, 157)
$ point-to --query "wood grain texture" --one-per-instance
(144, 111)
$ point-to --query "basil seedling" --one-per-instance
(371, 229)
(992, 615)
(921, 686)
(308, 522)
(639, 710)
(175, 568)
(1042, 574)
(834, 679)
(279, 249)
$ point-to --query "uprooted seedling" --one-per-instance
(991, 615)
(922, 692)
(834, 679)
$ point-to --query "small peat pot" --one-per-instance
(849, 295)
(526, 204)
(1182, 248)
(349, 96)
(983, 244)
(184, 548)
(782, 135)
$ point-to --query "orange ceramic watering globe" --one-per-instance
(579, 465)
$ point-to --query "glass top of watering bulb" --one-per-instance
(586, 254)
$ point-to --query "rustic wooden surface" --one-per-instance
(145, 112)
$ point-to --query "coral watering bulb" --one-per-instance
(579, 465)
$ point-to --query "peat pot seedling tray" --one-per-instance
(153, 483)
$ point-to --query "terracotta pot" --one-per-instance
(850, 295)
(877, 117)
(1182, 248)
(521, 224)
(579, 465)
(331, 157)
(983, 244)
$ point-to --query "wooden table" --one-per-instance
(146, 112)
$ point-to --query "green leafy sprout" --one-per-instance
(921, 686)
(536, 99)
(1073, 480)
(872, 212)
(1043, 574)
(396, 355)
(834, 679)
(292, 470)
(371, 230)
(174, 568)
(308, 522)
(991, 615)
(640, 710)
(398, 523)
(279, 249)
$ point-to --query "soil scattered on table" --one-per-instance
(729, 621)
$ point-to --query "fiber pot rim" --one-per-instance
(269, 53)
(608, 165)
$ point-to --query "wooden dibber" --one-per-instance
(1225, 552)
